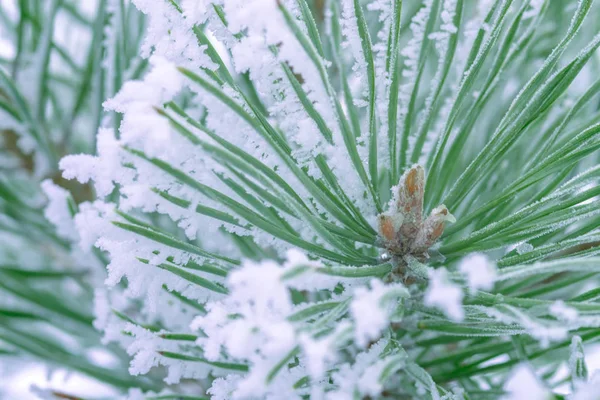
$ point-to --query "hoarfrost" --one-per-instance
(444, 295)
(479, 270)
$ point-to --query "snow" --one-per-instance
(524, 247)
(443, 294)
(361, 377)
(58, 212)
(260, 334)
(167, 164)
(523, 384)
(318, 355)
(479, 270)
(563, 312)
(588, 390)
(371, 310)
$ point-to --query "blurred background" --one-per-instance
(59, 60)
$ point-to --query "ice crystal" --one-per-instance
(275, 185)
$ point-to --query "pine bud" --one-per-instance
(432, 228)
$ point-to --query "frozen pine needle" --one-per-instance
(301, 199)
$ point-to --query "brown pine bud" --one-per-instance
(386, 228)
(389, 225)
(432, 228)
(402, 229)
(410, 194)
